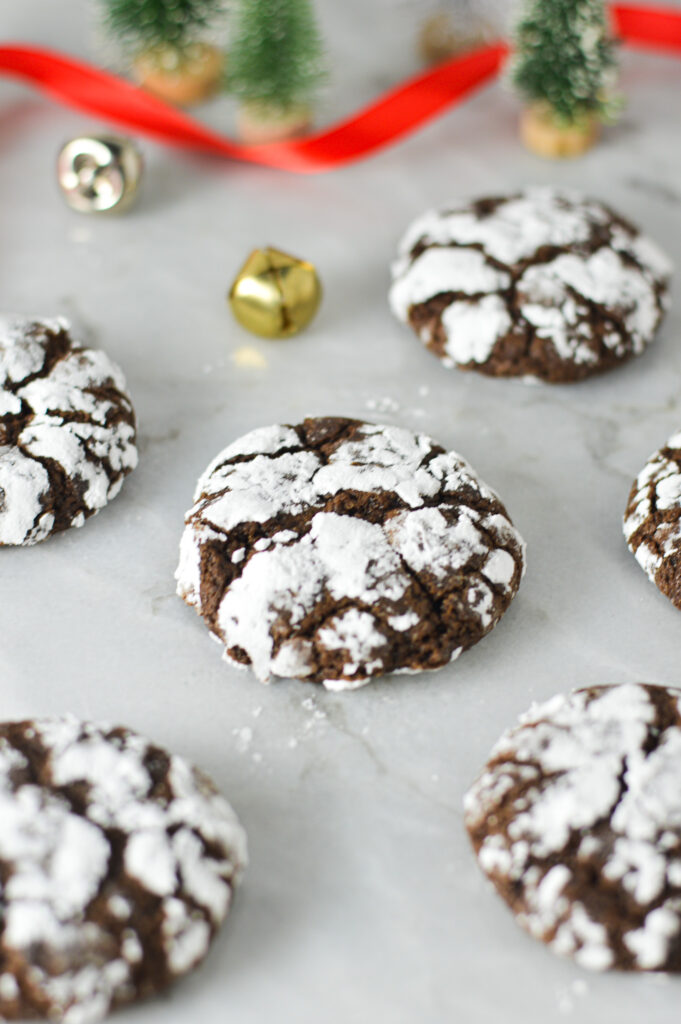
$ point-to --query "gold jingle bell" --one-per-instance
(275, 295)
(99, 174)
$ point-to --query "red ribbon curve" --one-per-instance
(397, 113)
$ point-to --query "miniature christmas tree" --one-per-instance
(275, 65)
(565, 67)
(163, 38)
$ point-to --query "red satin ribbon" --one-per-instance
(400, 111)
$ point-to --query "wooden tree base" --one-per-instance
(183, 78)
(259, 122)
(545, 136)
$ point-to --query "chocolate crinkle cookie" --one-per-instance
(117, 864)
(652, 521)
(67, 430)
(336, 550)
(576, 819)
(543, 284)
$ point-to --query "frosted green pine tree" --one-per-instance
(142, 24)
(275, 53)
(565, 59)
(166, 43)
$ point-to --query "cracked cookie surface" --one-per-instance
(117, 864)
(541, 284)
(576, 819)
(337, 550)
(652, 520)
(67, 430)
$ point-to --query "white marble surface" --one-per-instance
(363, 903)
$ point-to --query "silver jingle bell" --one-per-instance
(99, 174)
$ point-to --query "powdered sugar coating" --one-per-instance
(336, 550)
(117, 862)
(577, 821)
(652, 520)
(542, 284)
(67, 430)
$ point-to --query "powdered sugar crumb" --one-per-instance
(382, 404)
(244, 738)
